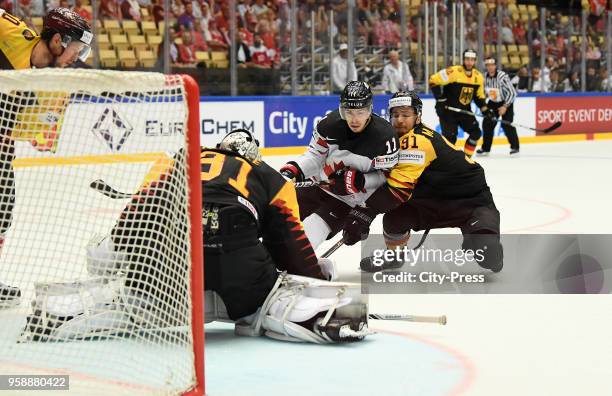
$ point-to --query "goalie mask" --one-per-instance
(243, 142)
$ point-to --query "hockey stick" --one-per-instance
(545, 130)
(332, 249)
(422, 241)
(310, 183)
(104, 188)
(441, 320)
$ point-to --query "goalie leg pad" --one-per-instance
(289, 310)
(103, 258)
(74, 310)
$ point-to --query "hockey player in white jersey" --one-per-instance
(349, 150)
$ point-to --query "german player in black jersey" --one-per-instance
(349, 149)
(65, 38)
(457, 86)
(434, 185)
(244, 200)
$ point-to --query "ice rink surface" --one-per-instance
(493, 344)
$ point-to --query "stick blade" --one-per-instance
(552, 127)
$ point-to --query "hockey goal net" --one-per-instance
(130, 321)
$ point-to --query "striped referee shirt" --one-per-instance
(499, 88)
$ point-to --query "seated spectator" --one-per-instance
(268, 38)
(214, 38)
(593, 55)
(186, 50)
(260, 56)
(507, 35)
(593, 82)
(130, 10)
(396, 75)
(521, 80)
(206, 14)
(243, 54)
(246, 34)
(109, 9)
(606, 80)
(549, 64)
(259, 8)
(342, 72)
(537, 82)
(186, 18)
(158, 11)
(79, 9)
(198, 36)
(386, 31)
(572, 83)
(556, 85)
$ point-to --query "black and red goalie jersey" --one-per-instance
(230, 179)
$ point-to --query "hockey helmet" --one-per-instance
(470, 53)
(356, 95)
(406, 98)
(71, 26)
(243, 142)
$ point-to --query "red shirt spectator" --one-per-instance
(130, 10)
(187, 50)
(247, 36)
(519, 33)
(109, 9)
(214, 38)
(78, 8)
(259, 53)
(198, 36)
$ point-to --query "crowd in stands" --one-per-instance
(264, 31)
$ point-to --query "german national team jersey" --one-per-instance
(334, 146)
(17, 41)
(228, 178)
(458, 88)
(429, 166)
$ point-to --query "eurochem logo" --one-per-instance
(113, 129)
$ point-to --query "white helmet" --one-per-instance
(243, 142)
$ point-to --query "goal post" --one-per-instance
(112, 288)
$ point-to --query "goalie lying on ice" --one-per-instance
(260, 272)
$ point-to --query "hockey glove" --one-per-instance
(346, 181)
(488, 113)
(356, 226)
(292, 172)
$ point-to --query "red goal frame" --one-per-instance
(195, 213)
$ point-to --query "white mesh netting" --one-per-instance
(104, 281)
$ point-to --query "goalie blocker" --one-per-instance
(242, 277)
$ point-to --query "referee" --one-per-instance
(501, 96)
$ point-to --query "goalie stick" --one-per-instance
(441, 320)
(545, 130)
(104, 188)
